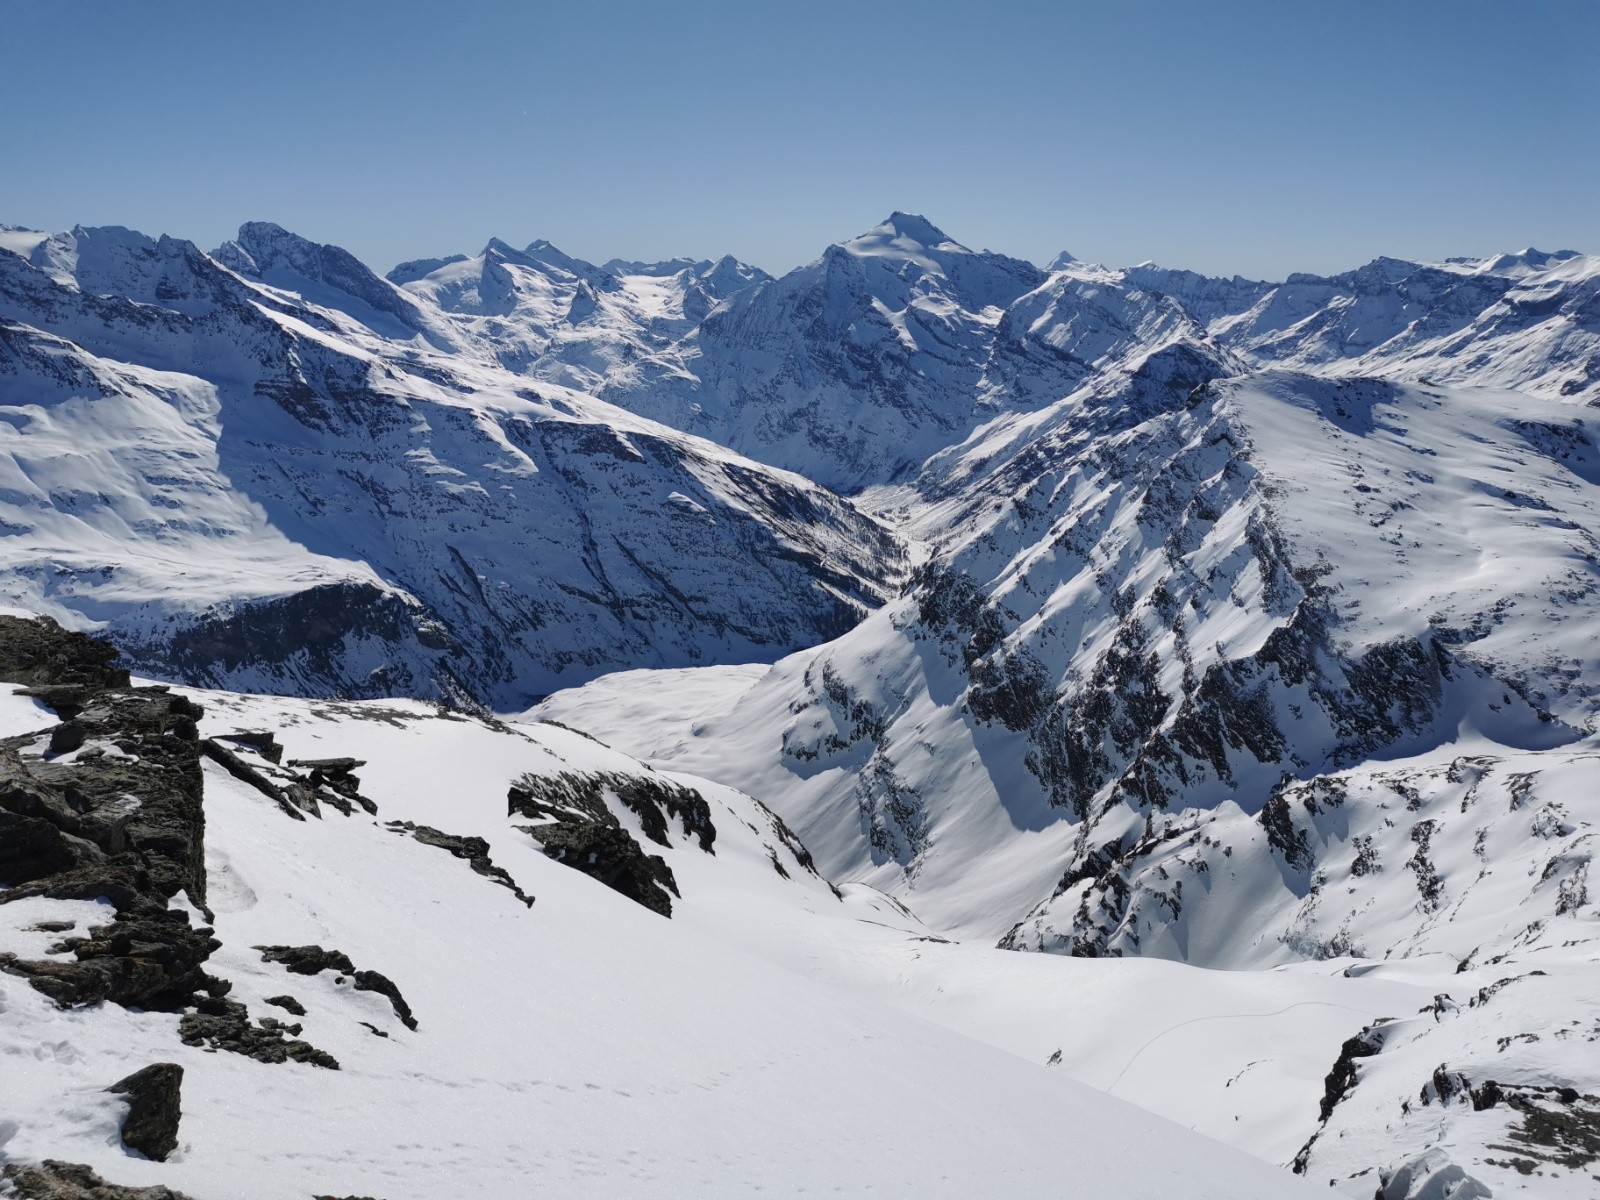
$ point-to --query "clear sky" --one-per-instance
(1249, 137)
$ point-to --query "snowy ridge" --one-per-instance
(307, 496)
(850, 370)
(540, 312)
(1529, 321)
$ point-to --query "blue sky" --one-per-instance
(1225, 136)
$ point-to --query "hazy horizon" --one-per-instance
(1236, 138)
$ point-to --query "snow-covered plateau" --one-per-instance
(923, 725)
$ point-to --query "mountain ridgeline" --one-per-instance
(1107, 613)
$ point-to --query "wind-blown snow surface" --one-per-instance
(582, 1046)
(297, 479)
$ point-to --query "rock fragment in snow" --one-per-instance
(474, 849)
(225, 1025)
(313, 960)
(154, 1109)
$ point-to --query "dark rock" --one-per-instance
(371, 981)
(312, 960)
(288, 1004)
(245, 773)
(474, 849)
(264, 743)
(584, 834)
(225, 1025)
(55, 1180)
(154, 1109)
(32, 848)
(39, 651)
(329, 766)
(125, 829)
(66, 737)
(1341, 1079)
(655, 801)
(145, 958)
(1276, 820)
(308, 960)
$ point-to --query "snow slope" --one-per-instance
(582, 1046)
(243, 484)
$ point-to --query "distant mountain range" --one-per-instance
(1100, 612)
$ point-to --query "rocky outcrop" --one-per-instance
(578, 830)
(54, 1180)
(118, 818)
(313, 960)
(154, 1109)
(473, 849)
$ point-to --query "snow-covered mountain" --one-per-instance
(1529, 321)
(1241, 669)
(894, 345)
(1227, 646)
(851, 369)
(542, 313)
(303, 484)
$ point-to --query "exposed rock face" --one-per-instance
(123, 820)
(579, 830)
(119, 818)
(53, 1180)
(39, 652)
(154, 1109)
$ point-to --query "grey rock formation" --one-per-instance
(154, 1109)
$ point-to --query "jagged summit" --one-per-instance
(323, 273)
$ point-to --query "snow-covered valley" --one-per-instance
(1014, 729)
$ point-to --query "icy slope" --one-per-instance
(580, 1044)
(243, 484)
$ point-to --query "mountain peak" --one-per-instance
(912, 228)
(269, 252)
